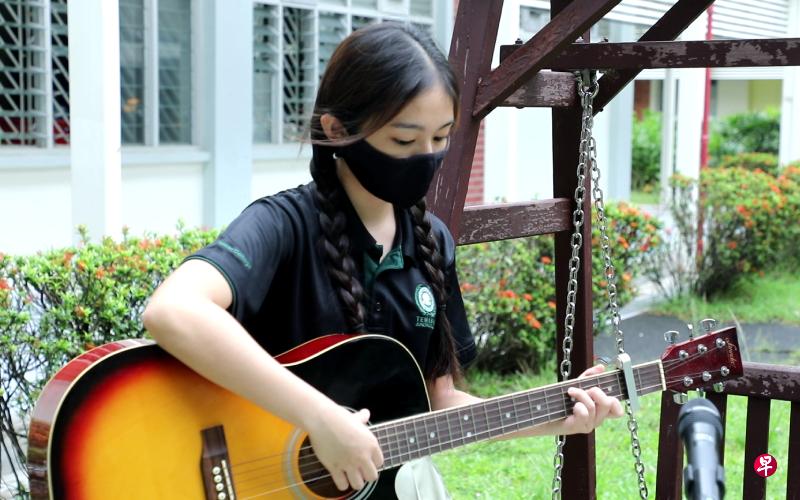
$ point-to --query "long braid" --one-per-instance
(334, 243)
(443, 359)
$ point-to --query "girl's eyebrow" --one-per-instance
(419, 127)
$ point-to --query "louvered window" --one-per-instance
(292, 47)
(155, 81)
(34, 73)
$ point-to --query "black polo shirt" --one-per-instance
(283, 296)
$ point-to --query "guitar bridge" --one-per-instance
(215, 465)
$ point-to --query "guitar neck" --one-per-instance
(422, 435)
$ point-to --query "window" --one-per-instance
(292, 47)
(34, 74)
(155, 71)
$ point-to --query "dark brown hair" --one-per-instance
(372, 75)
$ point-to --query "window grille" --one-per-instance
(132, 70)
(265, 72)
(174, 72)
(292, 48)
(23, 74)
(60, 70)
(299, 71)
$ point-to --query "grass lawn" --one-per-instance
(645, 198)
(774, 297)
(522, 468)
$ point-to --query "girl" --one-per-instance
(353, 251)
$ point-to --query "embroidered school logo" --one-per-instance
(426, 305)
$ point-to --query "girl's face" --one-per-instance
(422, 126)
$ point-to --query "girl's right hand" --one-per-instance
(346, 448)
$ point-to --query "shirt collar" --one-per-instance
(360, 239)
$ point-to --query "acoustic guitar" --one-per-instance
(127, 420)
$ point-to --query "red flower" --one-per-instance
(732, 245)
(527, 297)
(546, 259)
(532, 321)
(4, 285)
(551, 304)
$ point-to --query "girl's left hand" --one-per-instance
(592, 406)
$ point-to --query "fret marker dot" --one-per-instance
(411, 440)
(466, 417)
(433, 435)
(538, 407)
(469, 434)
(508, 415)
(572, 399)
(608, 390)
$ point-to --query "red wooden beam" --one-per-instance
(471, 50)
(547, 89)
(565, 26)
(671, 24)
(691, 54)
(514, 220)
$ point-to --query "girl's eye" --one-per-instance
(401, 142)
(440, 139)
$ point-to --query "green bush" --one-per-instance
(766, 162)
(752, 132)
(748, 219)
(749, 226)
(646, 153)
(509, 289)
(56, 304)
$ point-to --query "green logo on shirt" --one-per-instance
(426, 305)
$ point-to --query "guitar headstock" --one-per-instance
(701, 361)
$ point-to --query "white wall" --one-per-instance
(273, 176)
(35, 209)
(732, 97)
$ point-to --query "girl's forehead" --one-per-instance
(431, 109)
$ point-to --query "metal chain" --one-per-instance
(587, 94)
(611, 291)
(587, 90)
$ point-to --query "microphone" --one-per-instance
(700, 428)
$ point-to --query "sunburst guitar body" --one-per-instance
(126, 420)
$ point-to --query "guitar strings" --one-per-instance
(494, 414)
(563, 412)
(595, 381)
(428, 448)
(502, 408)
(602, 379)
(665, 365)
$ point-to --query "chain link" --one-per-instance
(587, 153)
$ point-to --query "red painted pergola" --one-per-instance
(520, 82)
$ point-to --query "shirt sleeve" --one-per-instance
(249, 252)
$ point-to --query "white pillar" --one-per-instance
(667, 135)
(691, 91)
(790, 104)
(94, 95)
(613, 132)
(225, 95)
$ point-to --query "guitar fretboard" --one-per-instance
(422, 435)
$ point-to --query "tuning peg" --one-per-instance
(671, 336)
(708, 324)
(718, 386)
(690, 327)
(680, 398)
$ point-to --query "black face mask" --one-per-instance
(400, 181)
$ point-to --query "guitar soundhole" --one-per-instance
(315, 476)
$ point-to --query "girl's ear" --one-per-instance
(332, 127)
